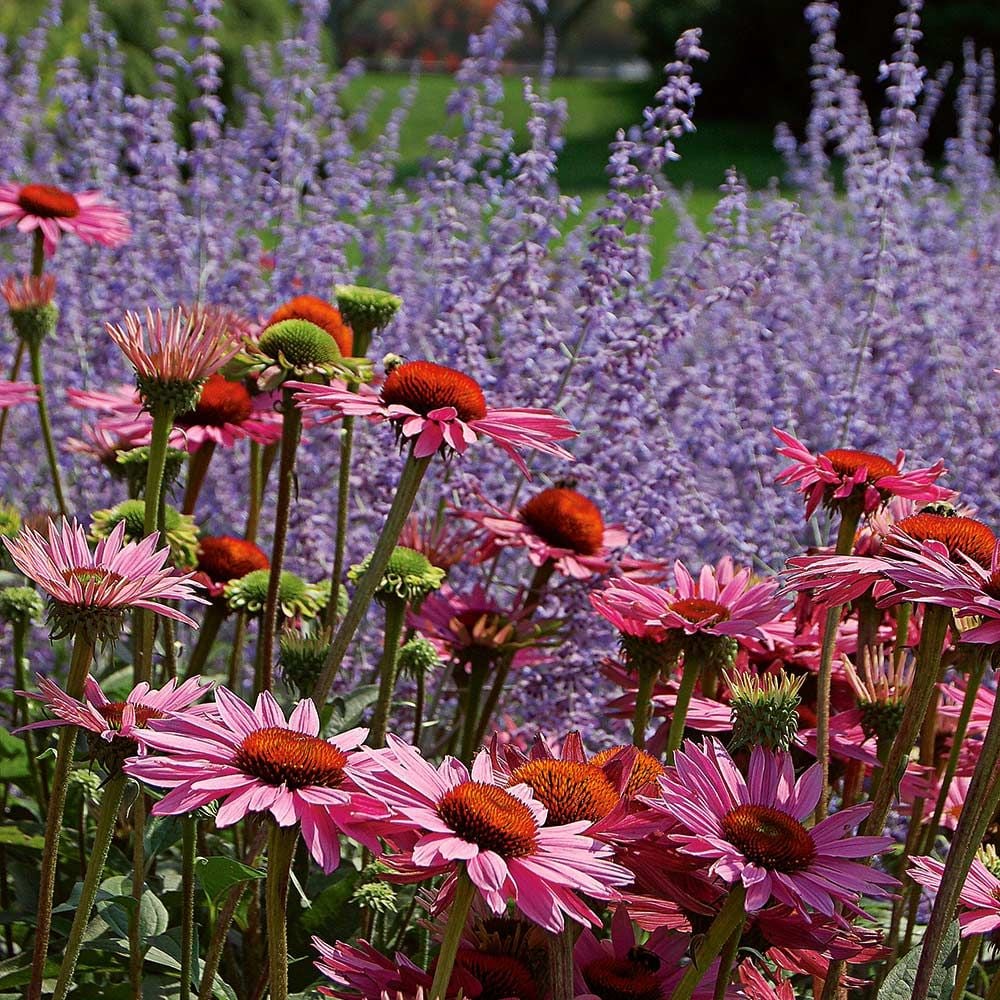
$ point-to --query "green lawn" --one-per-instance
(596, 110)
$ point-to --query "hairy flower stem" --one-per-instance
(994, 990)
(197, 471)
(280, 851)
(189, 830)
(106, 818)
(236, 653)
(83, 654)
(163, 421)
(925, 677)
(291, 431)
(256, 492)
(395, 618)
(643, 704)
(726, 923)
(215, 615)
(465, 891)
(967, 953)
(850, 514)
(343, 511)
(38, 377)
(406, 493)
(981, 804)
(560, 953)
(473, 697)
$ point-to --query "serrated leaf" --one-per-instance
(219, 875)
(898, 984)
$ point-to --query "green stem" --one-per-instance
(643, 704)
(163, 421)
(280, 851)
(903, 613)
(560, 953)
(83, 654)
(536, 590)
(406, 493)
(291, 428)
(343, 512)
(418, 707)
(13, 376)
(136, 956)
(726, 961)
(38, 377)
(212, 622)
(19, 630)
(689, 676)
(38, 255)
(465, 891)
(236, 653)
(256, 492)
(189, 828)
(849, 516)
(395, 618)
(925, 678)
(473, 696)
(107, 816)
(197, 471)
(726, 923)
(981, 803)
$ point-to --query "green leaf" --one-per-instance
(898, 984)
(332, 913)
(12, 836)
(13, 757)
(219, 875)
(346, 711)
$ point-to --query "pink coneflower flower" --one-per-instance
(93, 588)
(16, 393)
(176, 347)
(723, 601)
(979, 898)
(756, 987)
(439, 407)
(224, 414)
(750, 830)
(473, 630)
(254, 761)
(841, 474)
(361, 972)
(622, 966)
(54, 211)
(29, 292)
(562, 526)
(128, 720)
(447, 815)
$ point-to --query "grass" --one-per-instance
(597, 109)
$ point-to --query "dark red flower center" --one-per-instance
(221, 402)
(284, 757)
(769, 838)
(224, 558)
(645, 767)
(491, 818)
(571, 791)
(963, 535)
(48, 202)
(700, 609)
(566, 520)
(631, 978)
(499, 976)
(320, 313)
(847, 462)
(114, 712)
(424, 386)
